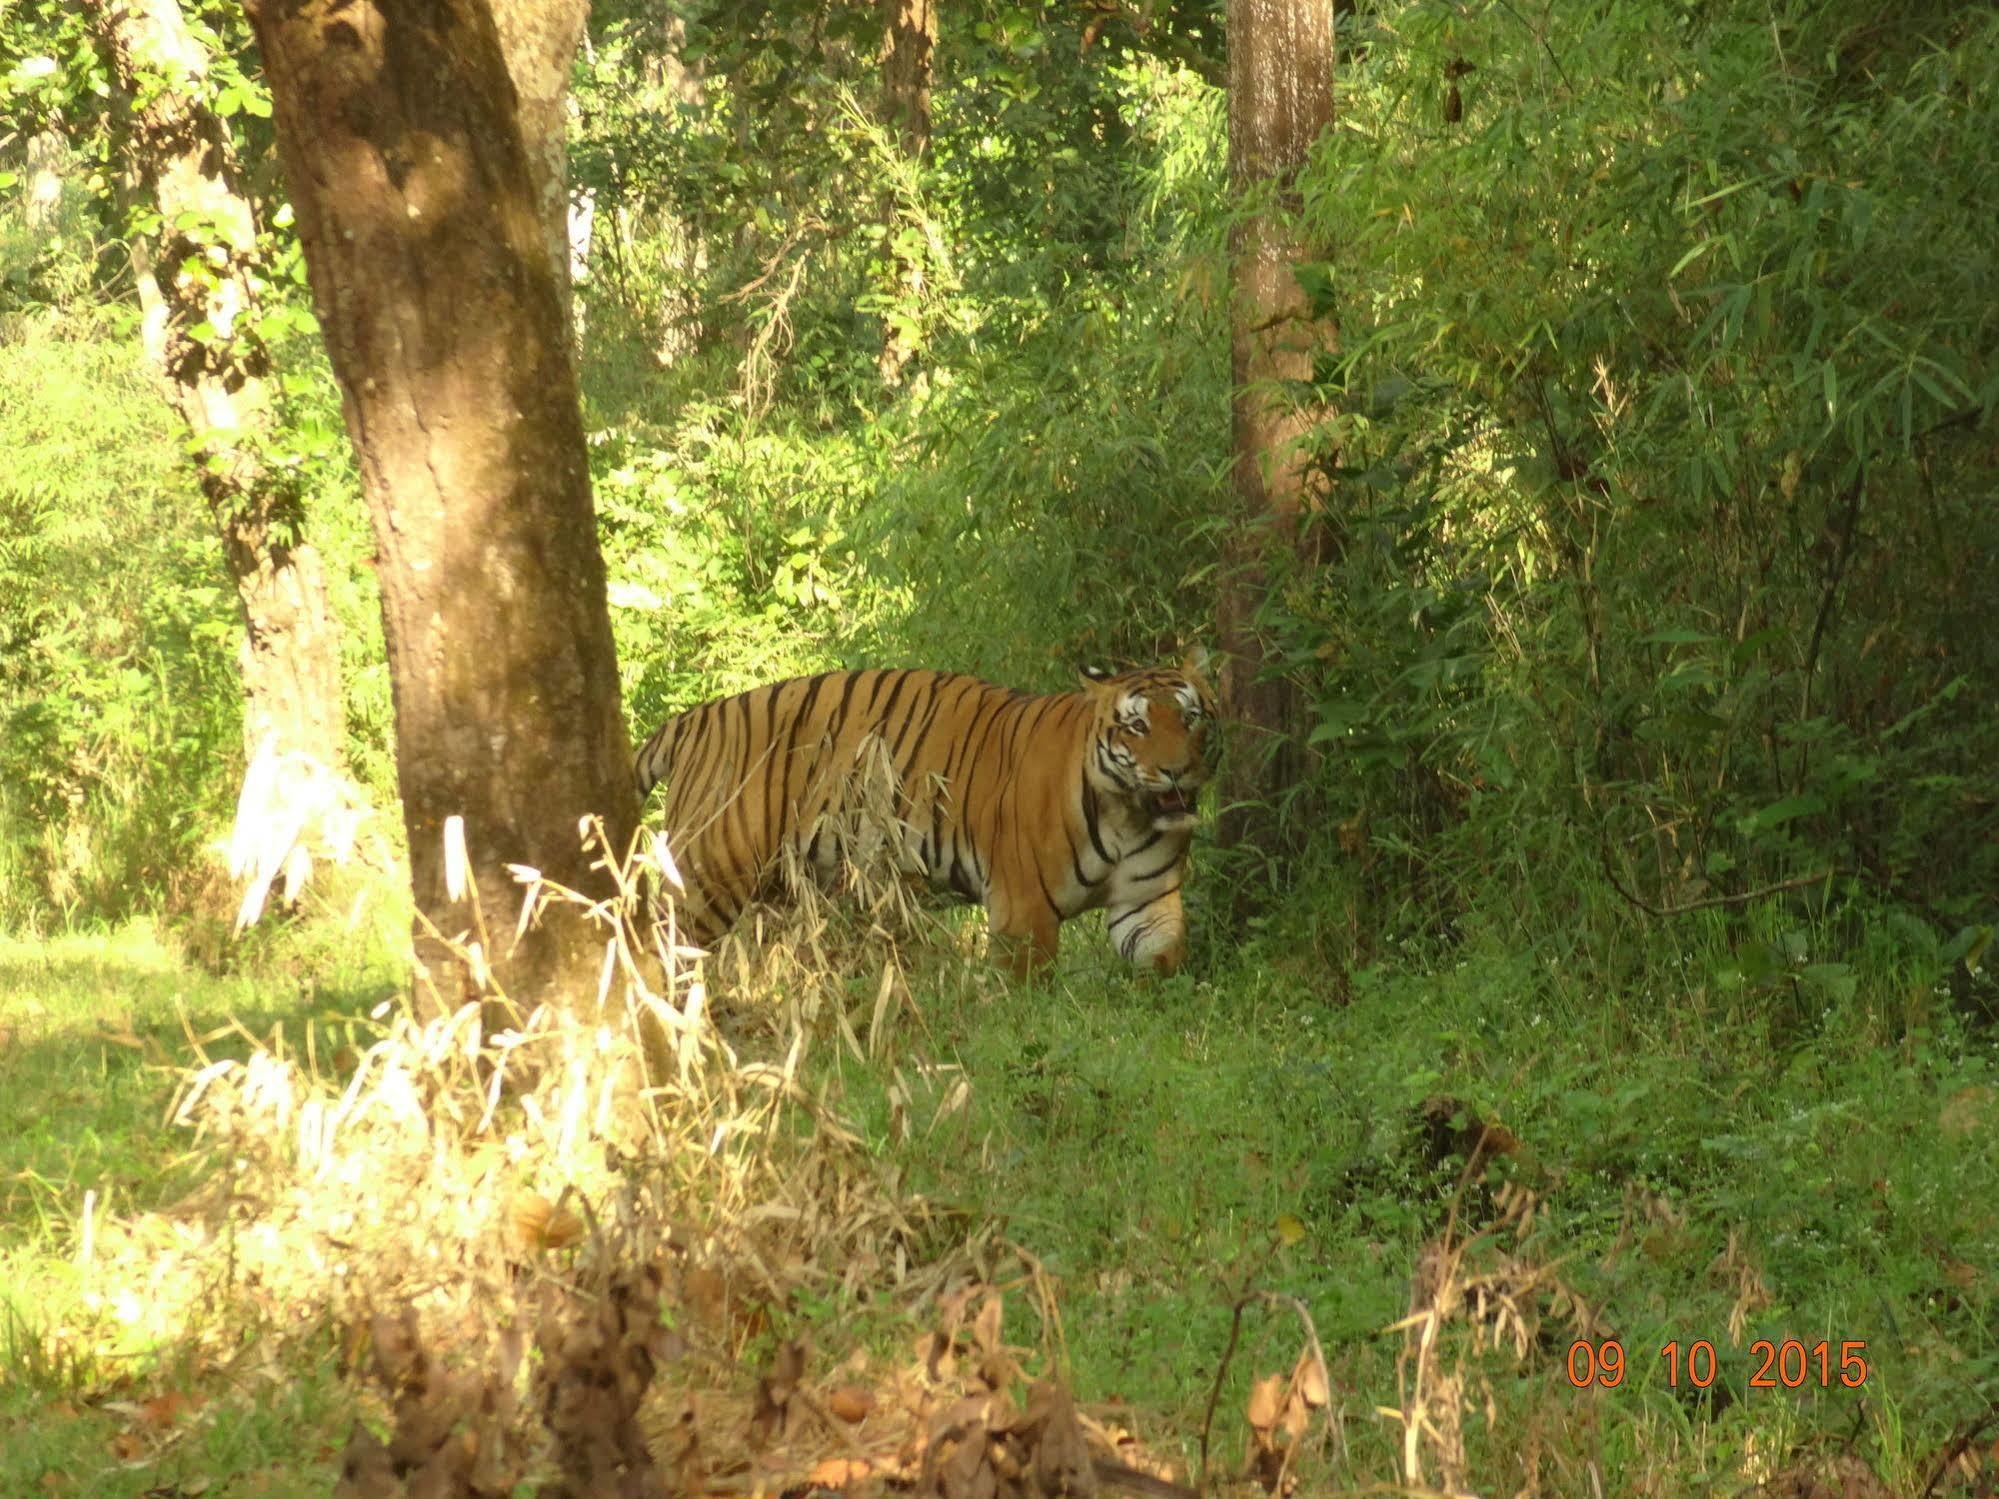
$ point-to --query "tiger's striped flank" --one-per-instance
(1037, 807)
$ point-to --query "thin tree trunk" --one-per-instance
(911, 39)
(686, 252)
(41, 186)
(908, 47)
(427, 245)
(1280, 100)
(199, 329)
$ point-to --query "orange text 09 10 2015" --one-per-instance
(1786, 1364)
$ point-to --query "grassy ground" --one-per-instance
(1672, 1164)
(94, 1032)
(1707, 1167)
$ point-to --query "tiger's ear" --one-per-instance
(1196, 661)
(1093, 677)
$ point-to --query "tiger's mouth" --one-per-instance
(1172, 806)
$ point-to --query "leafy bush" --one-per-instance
(1663, 506)
(117, 673)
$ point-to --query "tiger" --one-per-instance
(1038, 807)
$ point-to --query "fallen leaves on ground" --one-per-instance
(956, 1421)
(626, 1410)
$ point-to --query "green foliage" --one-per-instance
(1663, 508)
(116, 693)
(1696, 1160)
(120, 716)
(1656, 570)
(1024, 499)
(1062, 487)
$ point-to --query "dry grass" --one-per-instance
(516, 1229)
(1471, 1293)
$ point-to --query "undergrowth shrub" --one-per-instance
(1022, 502)
(120, 712)
(1060, 482)
(1662, 471)
(117, 677)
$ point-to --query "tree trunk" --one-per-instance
(41, 187)
(538, 41)
(911, 39)
(686, 252)
(1280, 100)
(427, 244)
(910, 42)
(199, 328)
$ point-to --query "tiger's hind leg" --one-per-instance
(1024, 934)
(698, 912)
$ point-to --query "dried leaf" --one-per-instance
(1061, 1457)
(1310, 1379)
(838, 1472)
(366, 1470)
(850, 1402)
(707, 1294)
(986, 1328)
(966, 1473)
(935, 1353)
(772, 1411)
(787, 1367)
(165, 1409)
(539, 1224)
(128, 1446)
(1266, 1403)
(1297, 1416)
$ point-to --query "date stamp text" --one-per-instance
(1786, 1364)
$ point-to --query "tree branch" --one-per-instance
(1739, 898)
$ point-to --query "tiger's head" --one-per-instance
(1149, 740)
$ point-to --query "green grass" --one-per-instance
(93, 1035)
(1717, 1163)
(1698, 1158)
(96, 1029)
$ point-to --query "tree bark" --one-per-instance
(1280, 100)
(41, 186)
(686, 252)
(200, 312)
(908, 46)
(538, 40)
(911, 39)
(427, 246)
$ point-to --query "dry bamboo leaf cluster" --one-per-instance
(1493, 1285)
(466, 1194)
(1280, 1415)
(860, 918)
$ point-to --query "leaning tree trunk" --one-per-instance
(200, 331)
(438, 295)
(1280, 100)
(909, 43)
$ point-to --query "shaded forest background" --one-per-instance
(1642, 631)
(1655, 543)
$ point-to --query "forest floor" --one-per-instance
(1682, 1239)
